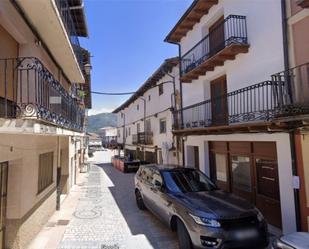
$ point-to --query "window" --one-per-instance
(118, 133)
(148, 125)
(187, 180)
(149, 97)
(163, 125)
(129, 131)
(138, 127)
(221, 167)
(137, 107)
(161, 89)
(241, 172)
(45, 177)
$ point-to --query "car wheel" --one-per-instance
(184, 239)
(139, 200)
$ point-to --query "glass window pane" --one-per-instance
(221, 166)
(241, 172)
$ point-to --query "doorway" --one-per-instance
(193, 158)
(249, 170)
(216, 37)
(3, 201)
(219, 107)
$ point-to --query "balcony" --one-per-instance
(66, 17)
(29, 91)
(303, 3)
(284, 99)
(145, 138)
(56, 28)
(227, 39)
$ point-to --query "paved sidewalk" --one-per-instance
(106, 216)
(52, 232)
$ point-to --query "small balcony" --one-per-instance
(145, 138)
(67, 19)
(284, 99)
(303, 3)
(29, 91)
(223, 42)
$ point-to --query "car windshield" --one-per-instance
(187, 181)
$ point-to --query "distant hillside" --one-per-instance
(100, 120)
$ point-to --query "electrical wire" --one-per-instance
(102, 93)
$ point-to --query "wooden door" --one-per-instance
(267, 182)
(249, 170)
(216, 36)
(3, 201)
(219, 101)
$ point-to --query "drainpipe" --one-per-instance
(58, 174)
(181, 103)
(291, 133)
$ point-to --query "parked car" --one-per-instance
(203, 215)
(292, 241)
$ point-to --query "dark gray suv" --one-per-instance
(203, 215)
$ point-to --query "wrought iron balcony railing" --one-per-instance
(67, 19)
(286, 95)
(145, 138)
(28, 90)
(232, 30)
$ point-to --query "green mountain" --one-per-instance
(95, 122)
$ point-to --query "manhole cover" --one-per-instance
(51, 224)
(109, 247)
(63, 222)
(87, 214)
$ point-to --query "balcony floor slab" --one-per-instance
(228, 53)
(33, 127)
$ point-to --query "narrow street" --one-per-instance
(106, 215)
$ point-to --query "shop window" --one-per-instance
(221, 167)
(241, 173)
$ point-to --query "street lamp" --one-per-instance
(87, 68)
(123, 115)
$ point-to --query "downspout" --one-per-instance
(291, 133)
(58, 174)
(181, 103)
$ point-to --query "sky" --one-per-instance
(126, 42)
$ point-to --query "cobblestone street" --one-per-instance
(106, 216)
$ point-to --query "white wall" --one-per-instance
(22, 152)
(284, 166)
(265, 56)
(158, 104)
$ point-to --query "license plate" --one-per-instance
(245, 234)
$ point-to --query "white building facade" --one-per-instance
(145, 120)
(231, 104)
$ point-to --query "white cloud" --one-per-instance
(97, 111)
